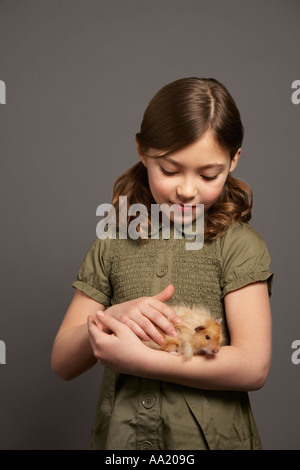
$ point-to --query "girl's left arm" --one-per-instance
(243, 365)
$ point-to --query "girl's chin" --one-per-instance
(184, 219)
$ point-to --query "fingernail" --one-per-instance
(177, 320)
(174, 333)
(99, 313)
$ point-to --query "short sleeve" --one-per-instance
(245, 258)
(92, 277)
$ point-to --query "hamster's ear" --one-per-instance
(199, 328)
(219, 320)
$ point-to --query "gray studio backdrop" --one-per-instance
(78, 77)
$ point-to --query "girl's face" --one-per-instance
(193, 175)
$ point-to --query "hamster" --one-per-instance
(198, 333)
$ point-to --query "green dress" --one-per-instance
(137, 413)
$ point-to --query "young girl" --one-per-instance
(189, 143)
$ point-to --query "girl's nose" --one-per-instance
(186, 191)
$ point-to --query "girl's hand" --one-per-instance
(142, 314)
(122, 350)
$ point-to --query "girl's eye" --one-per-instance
(209, 178)
(169, 173)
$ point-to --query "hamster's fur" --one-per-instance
(198, 333)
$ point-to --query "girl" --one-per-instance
(189, 143)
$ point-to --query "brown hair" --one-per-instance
(178, 115)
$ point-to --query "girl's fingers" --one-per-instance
(161, 317)
(149, 328)
(94, 329)
(165, 309)
(110, 322)
(147, 319)
(143, 316)
(135, 327)
(142, 327)
(93, 322)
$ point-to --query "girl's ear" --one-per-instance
(140, 153)
(235, 160)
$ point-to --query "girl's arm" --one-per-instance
(72, 353)
(243, 365)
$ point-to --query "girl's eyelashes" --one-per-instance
(171, 173)
(209, 178)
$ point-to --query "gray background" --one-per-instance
(79, 75)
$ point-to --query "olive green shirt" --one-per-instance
(138, 413)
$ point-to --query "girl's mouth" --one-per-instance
(184, 207)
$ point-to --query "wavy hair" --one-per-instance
(177, 116)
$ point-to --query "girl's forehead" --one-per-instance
(204, 152)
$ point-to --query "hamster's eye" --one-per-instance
(207, 337)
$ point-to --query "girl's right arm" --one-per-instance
(72, 353)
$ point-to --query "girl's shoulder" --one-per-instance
(242, 234)
(244, 257)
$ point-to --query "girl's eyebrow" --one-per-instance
(204, 167)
